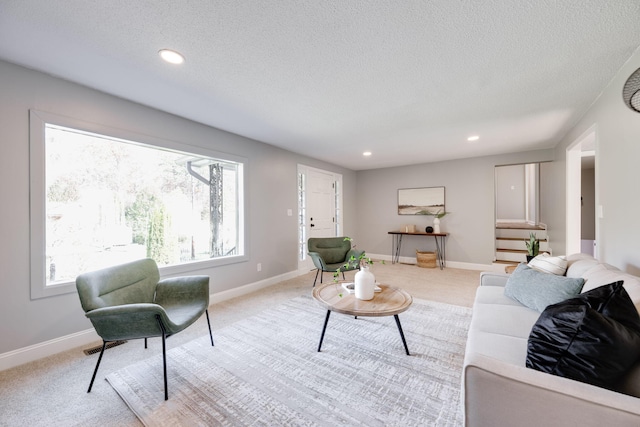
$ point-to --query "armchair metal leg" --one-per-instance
(164, 357)
(95, 371)
(145, 343)
(320, 272)
(209, 324)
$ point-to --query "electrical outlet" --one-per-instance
(259, 266)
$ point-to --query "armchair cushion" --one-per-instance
(128, 321)
(184, 299)
(134, 282)
(332, 250)
(125, 301)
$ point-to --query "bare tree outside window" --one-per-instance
(110, 201)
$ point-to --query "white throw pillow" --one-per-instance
(549, 264)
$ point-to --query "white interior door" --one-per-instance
(321, 204)
(318, 210)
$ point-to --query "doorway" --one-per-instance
(581, 200)
(319, 208)
(519, 190)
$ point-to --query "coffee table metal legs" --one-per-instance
(324, 328)
(395, 316)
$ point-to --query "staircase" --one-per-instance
(511, 240)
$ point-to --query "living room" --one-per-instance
(33, 328)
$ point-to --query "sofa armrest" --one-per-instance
(498, 393)
(489, 278)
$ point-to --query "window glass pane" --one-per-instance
(110, 201)
(302, 215)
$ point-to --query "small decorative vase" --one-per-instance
(436, 225)
(365, 283)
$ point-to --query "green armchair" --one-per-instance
(130, 302)
(331, 254)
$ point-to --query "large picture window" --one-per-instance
(106, 200)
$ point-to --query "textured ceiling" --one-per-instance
(407, 80)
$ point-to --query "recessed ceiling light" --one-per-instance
(473, 138)
(171, 56)
(366, 153)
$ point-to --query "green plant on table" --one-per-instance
(533, 245)
(361, 260)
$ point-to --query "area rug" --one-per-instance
(265, 371)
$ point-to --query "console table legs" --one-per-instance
(440, 251)
(396, 245)
(395, 248)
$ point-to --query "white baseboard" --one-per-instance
(451, 264)
(251, 287)
(48, 348)
(44, 349)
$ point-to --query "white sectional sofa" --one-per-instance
(498, 390)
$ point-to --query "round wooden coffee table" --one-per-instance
(390, 301)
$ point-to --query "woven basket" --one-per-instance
(426, 259)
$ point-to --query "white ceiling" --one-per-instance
(407, 80)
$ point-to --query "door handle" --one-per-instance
(312, 225)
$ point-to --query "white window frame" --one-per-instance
(38, 120)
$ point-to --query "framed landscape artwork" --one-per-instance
(420, 201)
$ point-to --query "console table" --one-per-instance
(397, 244)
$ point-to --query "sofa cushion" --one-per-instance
(546, 263)
(593, 338)
(577, 264)
(508, 349)
(538, 290)
(492, 318)
(605, 273)
(494, 295)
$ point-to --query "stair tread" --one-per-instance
(518, 239)
(517, 251)
(519, 226)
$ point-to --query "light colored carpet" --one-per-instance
(53, 391)
(265, 370)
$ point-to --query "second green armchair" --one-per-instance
(331, 254)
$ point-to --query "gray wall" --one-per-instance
(271, 184)
(469, 196)
(617, 156)
(510, 193)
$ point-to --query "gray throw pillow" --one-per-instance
(538, 290)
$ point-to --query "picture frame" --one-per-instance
(421, 201)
